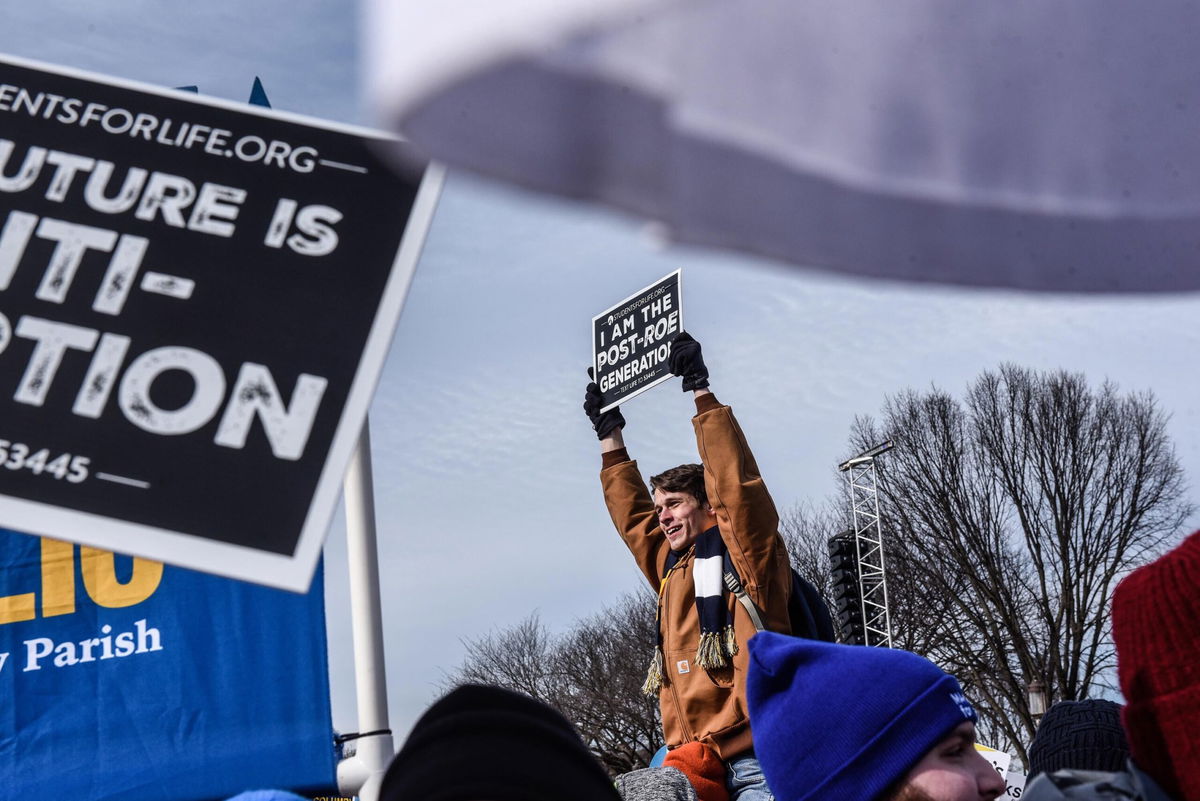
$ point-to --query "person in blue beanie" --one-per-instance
(857, 723)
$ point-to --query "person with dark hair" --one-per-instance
(862, 724)
(1156, 626)
(679, 532)
(1080, 735)
(481, 743)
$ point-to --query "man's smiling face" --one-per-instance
(682, 517)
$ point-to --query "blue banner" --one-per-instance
(126, 679)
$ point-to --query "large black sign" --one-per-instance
(632, 340)
(196, 299)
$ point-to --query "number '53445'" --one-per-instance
(19, 456)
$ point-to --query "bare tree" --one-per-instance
(917, 609)
(806, 529)
(517, 658)
(1010, 518)
(605, 658)
(592, 674)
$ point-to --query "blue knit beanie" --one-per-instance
(844, 721)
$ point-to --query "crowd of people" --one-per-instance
(833, 722)
(753, 713)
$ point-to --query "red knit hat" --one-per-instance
(1156, 628)
(703, 768)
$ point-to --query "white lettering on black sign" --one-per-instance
(631, 342)
(186, 290)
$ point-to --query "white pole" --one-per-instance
(361, 774)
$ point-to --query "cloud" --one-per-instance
(486, 470)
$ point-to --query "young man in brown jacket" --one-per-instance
(678, 536)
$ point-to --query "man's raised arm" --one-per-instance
(625, 494)
(746, 515)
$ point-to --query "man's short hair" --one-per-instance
(687, 478)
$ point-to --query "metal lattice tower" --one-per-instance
(868, 537)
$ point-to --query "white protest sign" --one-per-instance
(1016, 785)
(196, 298)
(999, 760)
(1014, 779)
(631, 340)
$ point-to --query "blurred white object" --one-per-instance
(1037, 144)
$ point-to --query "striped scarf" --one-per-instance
(717, 642)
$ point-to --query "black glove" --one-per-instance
(604, 424)
(687, 361)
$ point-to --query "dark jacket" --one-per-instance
(1087, 785)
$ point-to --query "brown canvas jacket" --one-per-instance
(697, 704)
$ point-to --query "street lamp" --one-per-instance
(1037, 700)
(866, 455)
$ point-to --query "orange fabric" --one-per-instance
(703, 768)
(609, 458)
(697, 704)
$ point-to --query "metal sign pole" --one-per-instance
(361, 774)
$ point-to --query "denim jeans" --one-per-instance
(744, 779)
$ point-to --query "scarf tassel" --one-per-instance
(731, 646)
(710, 655)
(654, 676)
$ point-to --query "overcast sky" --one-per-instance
(485, 467)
